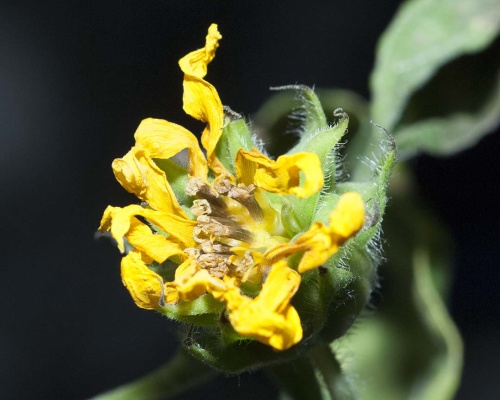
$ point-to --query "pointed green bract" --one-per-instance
(320, 140)
(236, 135)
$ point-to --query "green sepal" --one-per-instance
(203, 311)
(347, 297)
(412, 330)
(177, 177)
(346, 280)
(322, 143)
(289, 218)
(235, 135)
(310, 110)
(239, 355)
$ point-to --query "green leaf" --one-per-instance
(423, 36)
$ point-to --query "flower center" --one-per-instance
(233, 229)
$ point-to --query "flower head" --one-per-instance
(228, 239)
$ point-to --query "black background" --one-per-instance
(76, 78)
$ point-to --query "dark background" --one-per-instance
(76, 78)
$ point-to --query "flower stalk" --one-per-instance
(180, 374)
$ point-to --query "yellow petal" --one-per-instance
(348, 216)
(139, 175)
(119, 221)
(191, 282)
(158, 247)
(196, 62)
(107, 217)
(144, 285)
(319, 247)
(163, 139)
(200, 98)
(316, 243)
(281, 176)
(269, 317)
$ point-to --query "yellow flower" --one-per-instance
(229, 241)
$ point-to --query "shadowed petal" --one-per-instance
(269, 317)
(281, 176)
(144, 285)
(139, 175)
(163, 139)
(118, 220)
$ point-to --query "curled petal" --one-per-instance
(269, 317)
(191, 282)
(200, 98)
(196, 62)
(348, 216)
(281, 176)
(316, 244)
(119, 220)
(320, 242)
(158, 247)
(139, 175)
(163, 139)
(144, 285)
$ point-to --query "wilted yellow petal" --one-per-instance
(348, 216)
(318, 245)
(139, 175)
(191, 282)
(118, 220)
(158, 247)
(281, 176)
(107, 217)
(269, 317)
(144, 285)
(163, 139)
(196, 62)
(200, 98)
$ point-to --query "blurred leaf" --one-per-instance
(455, 130)
(409, 349)
(423, 36)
